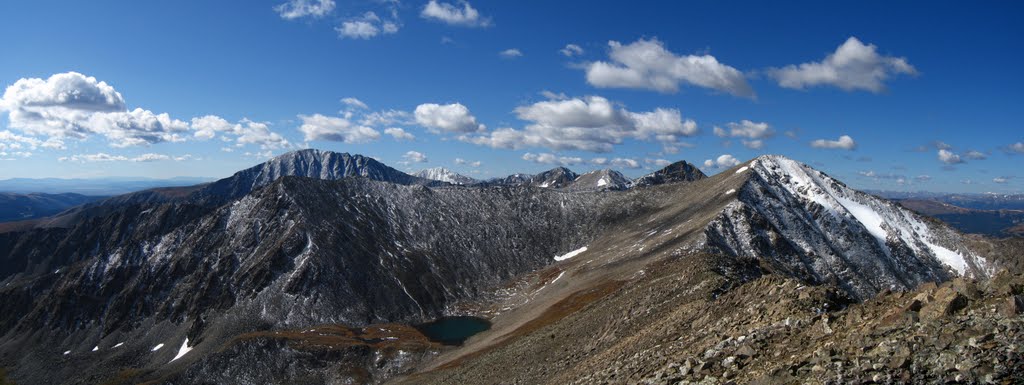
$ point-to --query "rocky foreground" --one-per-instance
(770, 330)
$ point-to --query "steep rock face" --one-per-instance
(600, 180)
(680, 171)
(803, 222)
(309, 163)
(442, 174)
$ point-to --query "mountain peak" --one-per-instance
(680, 171)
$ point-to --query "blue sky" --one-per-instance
(928, 95)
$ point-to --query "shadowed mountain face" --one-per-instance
(680, 171)
(318, 238)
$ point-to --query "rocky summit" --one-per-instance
(322, 268)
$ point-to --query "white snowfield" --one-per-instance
(157, 347)
(570, 254)
(882, 219)
(183, 350)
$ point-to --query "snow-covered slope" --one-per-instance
(444, 175)
(806, 223)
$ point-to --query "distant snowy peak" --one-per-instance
(600, 180)
(807, 222)
(445, 175)
(680, 171)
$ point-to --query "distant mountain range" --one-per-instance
(93, 187)
(982, 201)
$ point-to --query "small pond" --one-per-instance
(453, 330)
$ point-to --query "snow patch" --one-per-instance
(949, 257)
(119, 344)
(730, 192)
(558, 277)
(602, 182)
(742, 169)
(183, 351)
(570, 254)
(96, 348)
(67, 352)
(157, 347)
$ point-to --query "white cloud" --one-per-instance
(853, 66)
(545, 158)
(453, 117)
(1001, 179)
(975, 155)
(948, 157)
(243, 133)
(320, 127)
(1016, 147)
(624, 163)
(923, 178)
(414, 157)
(755, 144)
(451, 14)
(658, 162)
(554, 96)
(98, 157)
(571, 50)
(723, 161)
(367, 26)
(591, 124)
(647, 64)
(399, 134)
(746, 129)
(354, 103)
(295, 9)
(845, 142)
(461, 161)
(151, 157)
(511, 53)
(72, 105)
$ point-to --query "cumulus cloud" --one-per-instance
(461, 161)
(845, 142)
(723, 161)
(975, 155)
(658, 162)
(354, 103)
(414, 157)
(511, 53)
(746, 129)
(853, 66)
(453, 117)
(546, 158)
(948, 157)
(399, 134)
(646, 64)
(367, 26)
(591, 123)
(1016, 148)
(571, 50)
(296, 9)
(335, 129)
(72, 105)
(242, 133)
(624, 163)
(462, 14)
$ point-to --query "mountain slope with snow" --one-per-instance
(812, 226)
(600, 180)
(442, 174)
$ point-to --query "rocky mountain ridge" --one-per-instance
(246, 256)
